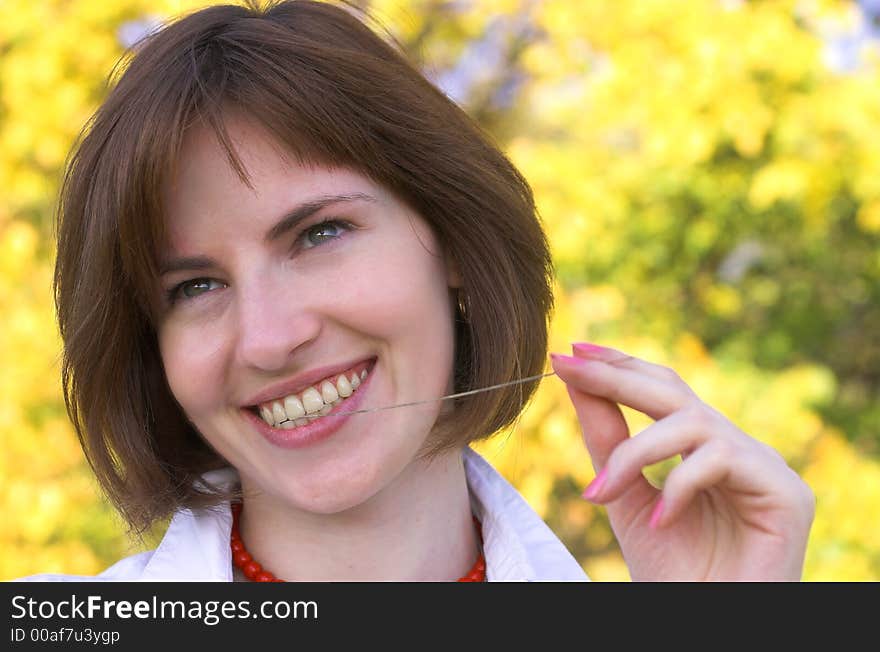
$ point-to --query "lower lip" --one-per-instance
(318, 429)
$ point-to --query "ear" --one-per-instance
(453, 275)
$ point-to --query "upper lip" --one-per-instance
(299, 382)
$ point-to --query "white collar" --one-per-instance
(517, 544)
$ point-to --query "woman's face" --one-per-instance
(266, 303)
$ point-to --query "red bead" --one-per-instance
(251, 569)
(254, 572)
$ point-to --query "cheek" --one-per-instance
(404, 295)
(192, 369)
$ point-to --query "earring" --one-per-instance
(462, 305)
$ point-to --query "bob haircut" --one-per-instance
(334, 94)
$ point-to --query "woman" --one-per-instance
(275, 226)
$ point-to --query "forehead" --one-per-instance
(206, 187)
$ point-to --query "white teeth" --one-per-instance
(278, 412)
(267, 415)
(293, 407)
(292, 410)
(328, 392)
(312, 400)
(343, 386)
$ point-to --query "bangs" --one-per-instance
(324, 105)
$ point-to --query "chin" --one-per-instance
(335, 492)
(332, 501)
(343, 473)
(330, 505)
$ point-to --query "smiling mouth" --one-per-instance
(300, 409)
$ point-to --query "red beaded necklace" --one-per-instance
(256, 573)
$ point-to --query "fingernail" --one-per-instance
(596, 485)
(565, 358)
(587, 348)
(655, 515)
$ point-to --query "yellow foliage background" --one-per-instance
(618, 92)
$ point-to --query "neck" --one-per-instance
(419, 528)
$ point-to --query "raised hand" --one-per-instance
(731, 510)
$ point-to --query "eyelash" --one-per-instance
(345, 226)
(174, 294)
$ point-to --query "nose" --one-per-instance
(274, 322)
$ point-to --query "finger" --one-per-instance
(742, 465)
(604, 429)
(632, 388)
(602, 425)
(618, 358)
(678, 434)
(708, 466)
(757, 475)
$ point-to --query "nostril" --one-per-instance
(269, 335)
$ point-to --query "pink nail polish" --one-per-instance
(566, 358)
(587, 348)
(655, 515)
(596, 485)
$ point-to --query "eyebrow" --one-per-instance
(309, 208)
(287, 222)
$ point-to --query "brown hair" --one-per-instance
(332, 93)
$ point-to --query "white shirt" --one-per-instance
(517, 544)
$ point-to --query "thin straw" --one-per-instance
(432, 400)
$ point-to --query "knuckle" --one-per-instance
(722, 450)
(802, 495)
(808, 497)
(701, 416)
(669, 372)
(772, 452)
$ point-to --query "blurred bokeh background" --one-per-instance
(709, 175)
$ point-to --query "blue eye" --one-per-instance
(320, 233)
(193, 288)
